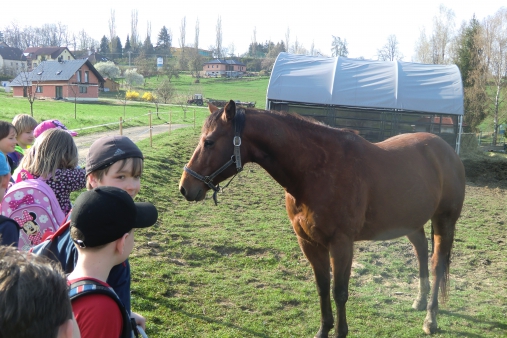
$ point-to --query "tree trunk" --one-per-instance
(495, 116)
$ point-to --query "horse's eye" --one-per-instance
(208, 143)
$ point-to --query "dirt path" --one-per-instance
(134, 133)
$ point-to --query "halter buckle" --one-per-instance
(236, 141)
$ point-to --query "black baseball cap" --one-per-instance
(108, 150)
(105, 214)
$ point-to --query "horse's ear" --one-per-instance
(212, 108)
(229, 110)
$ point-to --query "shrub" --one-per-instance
(131, 95)
(147, 96)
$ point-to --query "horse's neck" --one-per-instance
(279, 148)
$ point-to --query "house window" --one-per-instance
(78, 75)
(83, 89)
(38, 89)
(68, 57)
(87, 73)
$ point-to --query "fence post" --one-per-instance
(151, 130)
(121, 126)
(170, 121)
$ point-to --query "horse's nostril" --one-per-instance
(183, 191)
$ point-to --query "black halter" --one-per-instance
(239, 123)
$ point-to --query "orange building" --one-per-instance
(226, 68)
(68, 80)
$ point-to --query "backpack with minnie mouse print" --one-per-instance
(33, 205)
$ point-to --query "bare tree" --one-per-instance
(183, 60)
(254, 41)
(31, 84)
(195, 62)
(390, 51)
(287, 39)
(165, 91)
(339, 46)
(218, 44)
(196, 36)
(148, 29)
(232, 49)
(183, 33)
(443, 31)
(112, 32)
(495, 42)
(423, 49)
(134, 34)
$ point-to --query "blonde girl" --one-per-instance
(54, 159)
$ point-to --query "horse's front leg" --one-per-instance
(341, 250)
(319, 259)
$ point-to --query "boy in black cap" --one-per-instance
(111, 161)
(102, 228)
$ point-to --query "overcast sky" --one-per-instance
(365, 24)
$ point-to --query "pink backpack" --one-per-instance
(33, 205)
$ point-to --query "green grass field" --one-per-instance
(109, 110)
(236, 270)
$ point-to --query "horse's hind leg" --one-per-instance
(443, 228)
(319, 259)
(420, 243)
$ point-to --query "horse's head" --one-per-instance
(217, 155)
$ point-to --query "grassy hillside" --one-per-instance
(108, 109)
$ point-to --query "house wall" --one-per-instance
(11, 67)
(47, 57)
(111, 86)
(222, 68)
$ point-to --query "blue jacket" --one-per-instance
(63, 250)
(9, 231)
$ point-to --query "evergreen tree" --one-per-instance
(473, 73)
(127, 45)
(1, 36)
(119, 49)
(164, 39)
(104, 45)
(148, 46)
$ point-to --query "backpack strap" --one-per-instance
(87, 286)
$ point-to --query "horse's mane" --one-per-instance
(293, 118)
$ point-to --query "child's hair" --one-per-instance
(24, 123)
(53, 149)
(137, 169)
(5, 129)
(33, 294)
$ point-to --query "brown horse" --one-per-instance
(340, 188)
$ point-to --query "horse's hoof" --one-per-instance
(429, 326)
(420, 304)
(321, 335)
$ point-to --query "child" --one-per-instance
(54, 158)
(33, 297)
(8, 140)
(102, 227)
(24, 124)
(9, 229)
(50, 124)
(113, 161)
